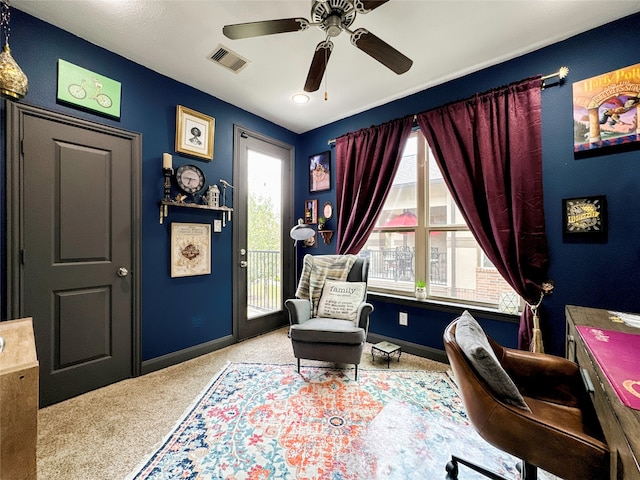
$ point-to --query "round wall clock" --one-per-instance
(190, 179)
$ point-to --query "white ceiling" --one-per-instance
(445, 38)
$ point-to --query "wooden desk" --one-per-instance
(18, 401)
(621, 424)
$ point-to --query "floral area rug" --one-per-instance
(259, 422)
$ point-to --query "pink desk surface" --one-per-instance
(618, 354)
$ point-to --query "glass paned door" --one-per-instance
(263, 211)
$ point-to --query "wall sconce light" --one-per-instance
(13, 82)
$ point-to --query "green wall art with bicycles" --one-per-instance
(88, 90)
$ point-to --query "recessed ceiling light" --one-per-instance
(300, 98)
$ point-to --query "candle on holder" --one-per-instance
(167, 161)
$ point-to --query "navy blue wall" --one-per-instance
(176, 313)
(180, 313)
(598, 275)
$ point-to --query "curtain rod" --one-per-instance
(562, 73)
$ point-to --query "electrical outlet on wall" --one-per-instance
(403, 318)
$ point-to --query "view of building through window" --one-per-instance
(421, 235)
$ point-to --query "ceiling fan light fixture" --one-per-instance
(333, 26)
(332, 17)
(300, 98)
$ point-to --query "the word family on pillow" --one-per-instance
(474, 344)
(341, 299)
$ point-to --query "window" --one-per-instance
(421, 235)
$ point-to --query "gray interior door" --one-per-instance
(76, 253)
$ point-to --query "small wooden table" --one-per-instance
(386, 350)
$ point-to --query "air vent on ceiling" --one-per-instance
(228, 59)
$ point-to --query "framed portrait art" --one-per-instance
(190, 249)
(194, 133)
(320, 172)
(585, 219)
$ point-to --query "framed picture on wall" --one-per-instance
(311, 242)
(585, 218)
(194, 133)
(87, 90)
(320, 172)
(311, 211)
(605, 111)
(190, 249)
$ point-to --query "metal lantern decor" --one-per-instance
(13, 82)
(213, 196)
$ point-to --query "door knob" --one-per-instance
(243, 264)
(123, 272)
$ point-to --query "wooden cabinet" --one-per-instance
(620, 423)
(18, 400)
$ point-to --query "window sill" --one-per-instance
(439, 305)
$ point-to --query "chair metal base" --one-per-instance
(527, 471)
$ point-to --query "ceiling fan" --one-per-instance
(333, 17)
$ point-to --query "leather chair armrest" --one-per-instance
(299, 310)
(543, 376)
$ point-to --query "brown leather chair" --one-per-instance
(560, 434)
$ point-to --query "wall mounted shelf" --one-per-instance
(327, 235)
(165, 204)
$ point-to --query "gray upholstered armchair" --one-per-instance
(316, 333)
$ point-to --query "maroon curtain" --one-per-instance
(366, 162)
(489, 150)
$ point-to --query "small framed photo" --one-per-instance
(320, 172)
(311, 242)
(585, 218)
(311, 211)
(194, 133)
(190, 249)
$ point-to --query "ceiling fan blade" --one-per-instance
(365, 6)
(267, 27)
(381, 51)
(318, 66)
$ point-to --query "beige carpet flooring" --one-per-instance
(105, 434)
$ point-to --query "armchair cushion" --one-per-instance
(328, 330)
(341, 299)
(475, 346)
